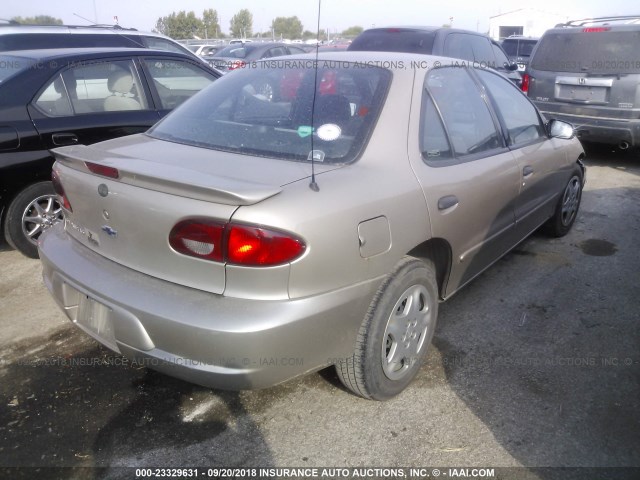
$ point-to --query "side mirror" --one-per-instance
(560, 129)
(513, 66)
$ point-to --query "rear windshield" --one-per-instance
(34, 41)
(394, 40)
(519, 48)
(602, 52)
(267, 111)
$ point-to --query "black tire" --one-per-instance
(24, 217)
(378, 370)
(567, 208)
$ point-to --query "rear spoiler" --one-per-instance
(170, 179)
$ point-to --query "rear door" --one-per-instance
(592, 72)
(469, 177)
(93, 101)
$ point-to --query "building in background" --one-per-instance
(528, 22)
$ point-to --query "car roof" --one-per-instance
(423, 28)
(9, 28)
(47, 54)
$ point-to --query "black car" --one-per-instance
(237, 55)
(446, 42)
(52, 98)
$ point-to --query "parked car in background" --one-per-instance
(588, 72)
(248, 240)
(204, 50)
(518, 49)
(15, 37)
(237, 55)
(448, 42)
(50, 98)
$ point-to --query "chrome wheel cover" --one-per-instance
(408, 327)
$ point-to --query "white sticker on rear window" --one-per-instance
(329, 132)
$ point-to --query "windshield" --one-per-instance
(236, 51)
(603, 52)
(10, 65)
(519, 48)
(267, 111)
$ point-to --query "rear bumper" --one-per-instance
(600, 130)
(201, 337)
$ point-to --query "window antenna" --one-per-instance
(313, 185)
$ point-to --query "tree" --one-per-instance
(180, 25)
(38, 20)
(352, 31)
(287, 27)
(211, 23)
(241, 25)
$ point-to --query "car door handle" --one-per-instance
(61, 139)
(447, 202)
(527, 171)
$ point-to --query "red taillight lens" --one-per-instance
(57, 187)
(236, 244)
(595, 29)
(102, 170)
(261, 247)
(526, 80)
(198, 238)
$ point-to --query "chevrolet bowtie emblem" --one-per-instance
(109, 231)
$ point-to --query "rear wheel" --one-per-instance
(395, 334)
(567, 207)
(30, 213)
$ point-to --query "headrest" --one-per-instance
(120, 81)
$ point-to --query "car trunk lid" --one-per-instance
(128, 219)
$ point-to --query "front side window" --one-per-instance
(466, 115)
(176, 80)
(269, 111)
(102, 86)
(518, 114)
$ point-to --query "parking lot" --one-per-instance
(535, 364)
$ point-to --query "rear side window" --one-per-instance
(607, 52)
(106, 86)
(466, 115)
(394, 40)
(158, 43)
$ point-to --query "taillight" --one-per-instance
(526, 79)
(57, 187)
(235, 244)
(261, 247)
(198, 238)
(103, 170)
(595, 29)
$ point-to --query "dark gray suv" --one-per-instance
(587, 72)
(466, 45)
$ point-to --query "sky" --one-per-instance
(336, 15)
